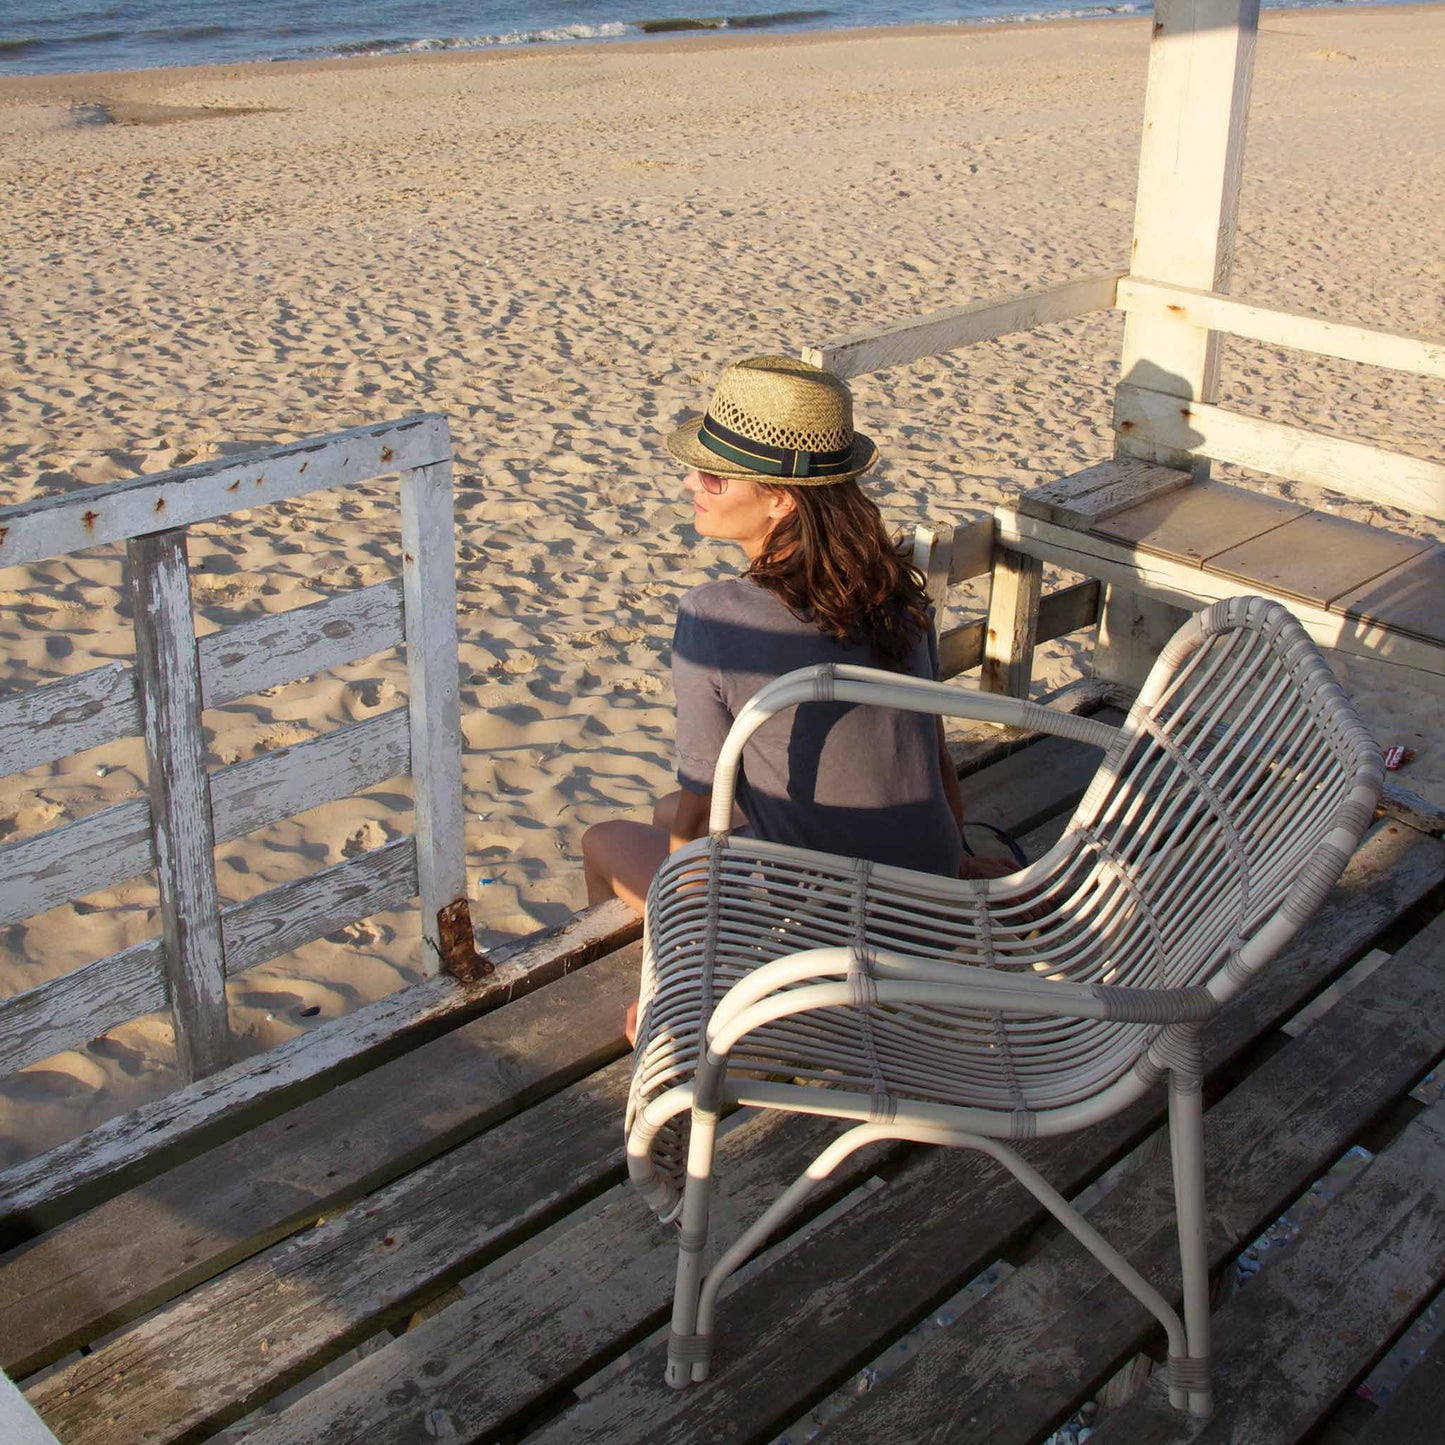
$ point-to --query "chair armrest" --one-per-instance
(773, 992)
(839, 682)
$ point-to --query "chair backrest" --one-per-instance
(1227, 807)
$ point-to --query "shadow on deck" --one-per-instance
(444, 1248)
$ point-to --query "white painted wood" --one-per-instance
(1201, 63)
(81, 1005)
(19, 1424)
(219, 1104)
(919, 336)
(932, 550)
(337, 764)
(972, 553)
(92, 708)
(1366, 472)
(110, 846)
(77, 858)
(294, 913)
(1013, 621)
(1099, 492)
(1132, 632)
(34, 530)
(284, 646)
(429, 588)
(67, 716)
(1183, 585)
(1208, 310)
(168, 677)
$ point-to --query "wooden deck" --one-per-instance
(447, 1239)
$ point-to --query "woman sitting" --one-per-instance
(774, 466)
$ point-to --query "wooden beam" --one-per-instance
(1201, 63)
(1367, 473)
(960, 649)
(1209, 310)
(31, 531)
(429, 586)
(168, 678)
(919, 336)
(1013, 623)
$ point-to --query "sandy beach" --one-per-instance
(559, 248)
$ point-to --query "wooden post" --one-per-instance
(168, 677)
(933, 556)
(429, 590)
(1013, 621)
(1201, 65)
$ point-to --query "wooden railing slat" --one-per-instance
(284, 646)
(920, 336)
(67, 716)
(1315, 334)
(32, 531)
(1369, 473)
(82, 1004)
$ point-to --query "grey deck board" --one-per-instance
(1198, 521)
(1415, 1414)
(1410, 597)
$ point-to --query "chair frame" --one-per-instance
(862, 977)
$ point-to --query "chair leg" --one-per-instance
(1189, 1377)
(688, 1351)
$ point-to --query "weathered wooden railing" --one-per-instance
(189, 809)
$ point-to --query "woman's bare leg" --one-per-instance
(619, 859)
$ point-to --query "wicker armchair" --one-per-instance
(972, 1012)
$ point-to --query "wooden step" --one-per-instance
(134, 1252)
(942, 1216)
(1305, 1329)
(1413, 1414)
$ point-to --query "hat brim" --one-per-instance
(685, 446)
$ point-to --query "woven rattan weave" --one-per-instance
(967, 1013)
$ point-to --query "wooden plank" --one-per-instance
(1406, 598)
(1099, 491)
(134, 1252)
(67, 716)
(1183, 585)
(430, 589)
(550, 1317)
(52, 867)
(1413, 1413)
(960, 649)
(284, 646)
(1368, 473)
(287, 916)
(168, 680)
(81, 1005)
(225, 1347)
(31, 531)
(287, 781)
(43, 1191)
(1191, 157)
(932, 548)
(1293, 1343)
(1058, 1326)
(115, 844)
(1013, 623)
(1317, 557)
(19, 1424)
(1033, 784)
(1199, 521)
(903, 341)
(972, 553)
(92, 708)
(1212, 312)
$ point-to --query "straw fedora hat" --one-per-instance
(776, 419)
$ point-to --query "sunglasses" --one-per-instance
(713, 486)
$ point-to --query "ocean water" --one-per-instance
(53, 36)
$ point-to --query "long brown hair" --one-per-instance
(831, 562)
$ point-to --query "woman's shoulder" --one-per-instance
(726, 598)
